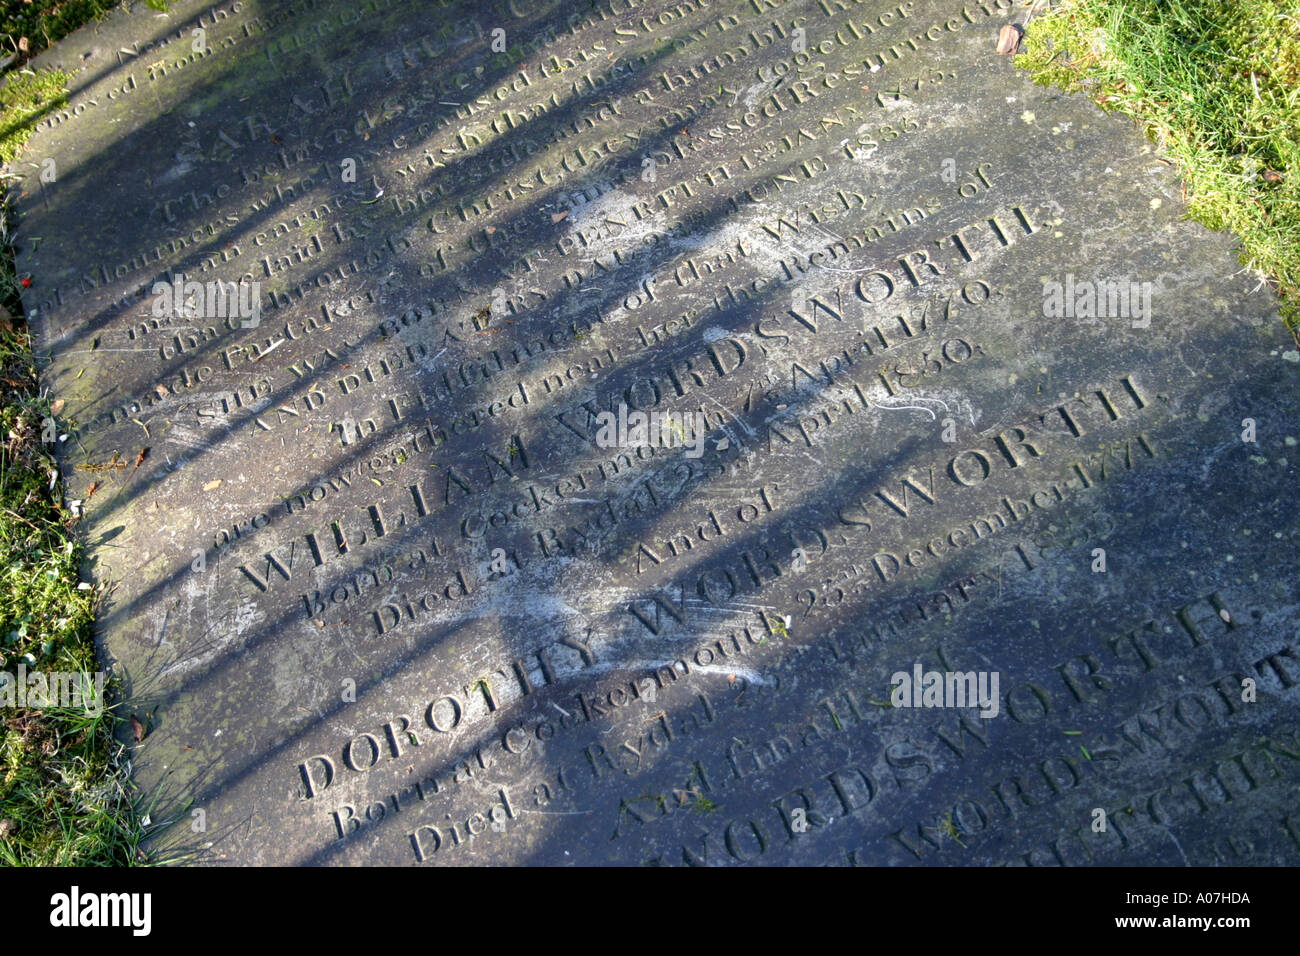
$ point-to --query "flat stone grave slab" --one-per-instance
(661, 433)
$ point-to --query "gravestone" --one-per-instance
(545, 433)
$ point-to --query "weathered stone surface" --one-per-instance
(385, 598)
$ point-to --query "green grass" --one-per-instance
(1216, 84)
(64, 795)
(703, 804)
(24, 99)
(41, 23)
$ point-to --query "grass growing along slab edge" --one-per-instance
(1216, 86)
(65, 795)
